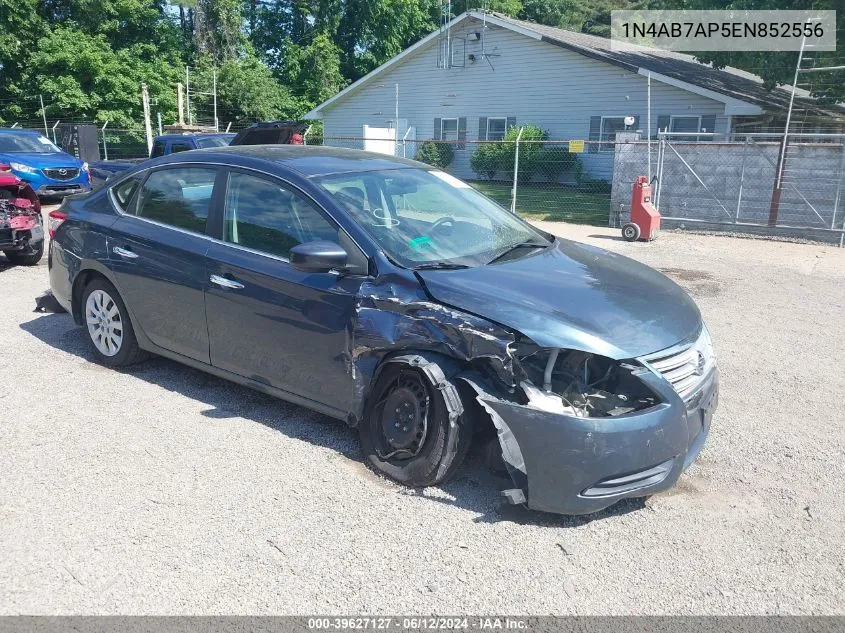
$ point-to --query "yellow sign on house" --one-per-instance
(576, 147)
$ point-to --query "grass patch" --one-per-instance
(551, 202)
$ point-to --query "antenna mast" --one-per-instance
(444, 43)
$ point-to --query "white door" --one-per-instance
(380, 139)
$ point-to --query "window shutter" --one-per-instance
(482, 128)
(663, 122)
(708, 124)
(595, 133)
(510, 123)
(437, 129)
(462, 132)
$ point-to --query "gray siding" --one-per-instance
(534, 81)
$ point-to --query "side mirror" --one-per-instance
(318, 257)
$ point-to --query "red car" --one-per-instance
(21, 225)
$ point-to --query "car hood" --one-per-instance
(574, 296)
(40, 161)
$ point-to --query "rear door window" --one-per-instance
(178, 196)
(180, 146)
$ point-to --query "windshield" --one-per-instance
(422, 217)
(214, 141)
(26, 143)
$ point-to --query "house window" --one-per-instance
(685, 124)
(449, 129)
(496, 128)
(610, 125)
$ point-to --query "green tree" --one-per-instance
(82, 74)
(314, 70)
(247, 91)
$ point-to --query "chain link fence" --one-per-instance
(753, 183)
(748, 182)
(554, 180)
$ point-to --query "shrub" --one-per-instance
(530, 146)
(553, 162)
(487, 160)
(435, 154)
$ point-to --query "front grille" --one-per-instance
(685, 367)
(61, 173)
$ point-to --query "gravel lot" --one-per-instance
(162, 490)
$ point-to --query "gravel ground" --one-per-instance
(162, 490)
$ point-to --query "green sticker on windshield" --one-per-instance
(420, 241)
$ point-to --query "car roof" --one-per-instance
(11, 130)
(313, 160)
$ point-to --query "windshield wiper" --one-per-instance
(511, 249)
(440, 266)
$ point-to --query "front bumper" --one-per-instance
(50, 187)
(573, 465)
(60, 190)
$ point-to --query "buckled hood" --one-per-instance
(574, 296)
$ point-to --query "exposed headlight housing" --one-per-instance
(580, 384)
(26, 169)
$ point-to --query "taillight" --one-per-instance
(54, 221)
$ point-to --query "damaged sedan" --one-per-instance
(393, 296)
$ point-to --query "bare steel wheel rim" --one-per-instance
(403, 417)
(105, 327)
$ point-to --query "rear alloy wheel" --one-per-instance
(110, 332)
(407, 433)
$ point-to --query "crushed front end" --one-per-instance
(20, 214)
(584, 431)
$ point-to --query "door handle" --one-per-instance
(124, 253)
(223, 282)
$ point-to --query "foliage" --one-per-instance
(315, 70)
(282, 57)
(247, 90)
(779, 67)
(83, 74)
(556, 161)
(435, 153)
(530, 146)
(491, 158)
(486, 160)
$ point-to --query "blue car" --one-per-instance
(395, 297)
(36, 160)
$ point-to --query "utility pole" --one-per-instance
(214, 78)
(188, 95)
(148, 129)
(396, 126)
(180, 104)
(43, 115)
(775, 204)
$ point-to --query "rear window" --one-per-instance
(123, 192)
(179, 197)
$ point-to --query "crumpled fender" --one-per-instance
(394, 315)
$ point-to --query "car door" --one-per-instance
(267, 320)
(157, 253)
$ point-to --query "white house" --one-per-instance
(484, 72)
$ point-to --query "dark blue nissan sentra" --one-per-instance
(395, 297)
